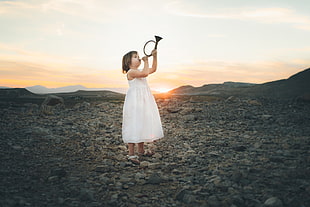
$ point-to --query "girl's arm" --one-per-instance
(146, 70)
(154, 65)
(140, 74)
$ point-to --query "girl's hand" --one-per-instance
(145, 58)
(154, 53)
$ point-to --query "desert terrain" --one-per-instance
(218, 151)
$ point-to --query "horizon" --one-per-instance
(74, 88)
(204, 42)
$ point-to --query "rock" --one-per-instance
(139, 176)
(155, 178)
(173, 110)
(157, 156)
(17, 147)
(214, 202)
(254, 102)
(86, 195)
(101, 168)
(82, 106)
(144, 164)
(59, 172)
(273, 202)
(240, 148)
(186, 196)
(231, 99)
(53, 178)
(190, 117)
(266, 116)
(154, 165)
(53, 100)
(104, 179)
(38, 131)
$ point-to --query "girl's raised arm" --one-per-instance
(141, 74)
(154, 65)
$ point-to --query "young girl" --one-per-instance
(141, 120)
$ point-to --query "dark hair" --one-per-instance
(127, 61)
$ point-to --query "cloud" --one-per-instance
(91, 10)
(217, 35)
(12, 52)
(14, 7)
(262, 15)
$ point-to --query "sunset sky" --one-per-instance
(57, 43)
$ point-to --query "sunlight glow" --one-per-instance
(162, 90)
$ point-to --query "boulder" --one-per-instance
(53, 100)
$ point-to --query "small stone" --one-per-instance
(190, 117)
(104, 179)
(17, 147)
(240, 148)
(173, 110)
(139, 176)
(157, 156)
(86, 195)
(155, 179)
(266, 116)
(123, 164)
(155, 165)
(125, 186)
(186, 196)
(273, 202)
(144, 164)
(213, 201)
(101, 168)
(59, 172)
(53, 178)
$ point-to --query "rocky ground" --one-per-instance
(216, 153)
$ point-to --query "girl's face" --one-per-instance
(135, 61)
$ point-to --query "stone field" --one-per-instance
(216, 153)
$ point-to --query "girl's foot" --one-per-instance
(134, 159)
(147, 153)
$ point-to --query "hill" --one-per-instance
(296, 86)
(20, 96)
(210, 89)
(15, 93)
(43, 90)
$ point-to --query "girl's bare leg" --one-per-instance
(131, 154)
(131, 149)
(141, 148)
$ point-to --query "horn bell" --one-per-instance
(158, 38)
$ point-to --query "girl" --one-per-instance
(141, 120)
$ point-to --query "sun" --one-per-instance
(162, 90)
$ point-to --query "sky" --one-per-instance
(56, 43)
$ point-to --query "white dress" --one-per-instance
(141, 120)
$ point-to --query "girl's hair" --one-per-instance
(127, 61)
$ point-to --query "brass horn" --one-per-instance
(157, 39)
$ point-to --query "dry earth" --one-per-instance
(216, 153)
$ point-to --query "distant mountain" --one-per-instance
(296, 86)
(4, 87)
(43, 90)
(38, 89)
